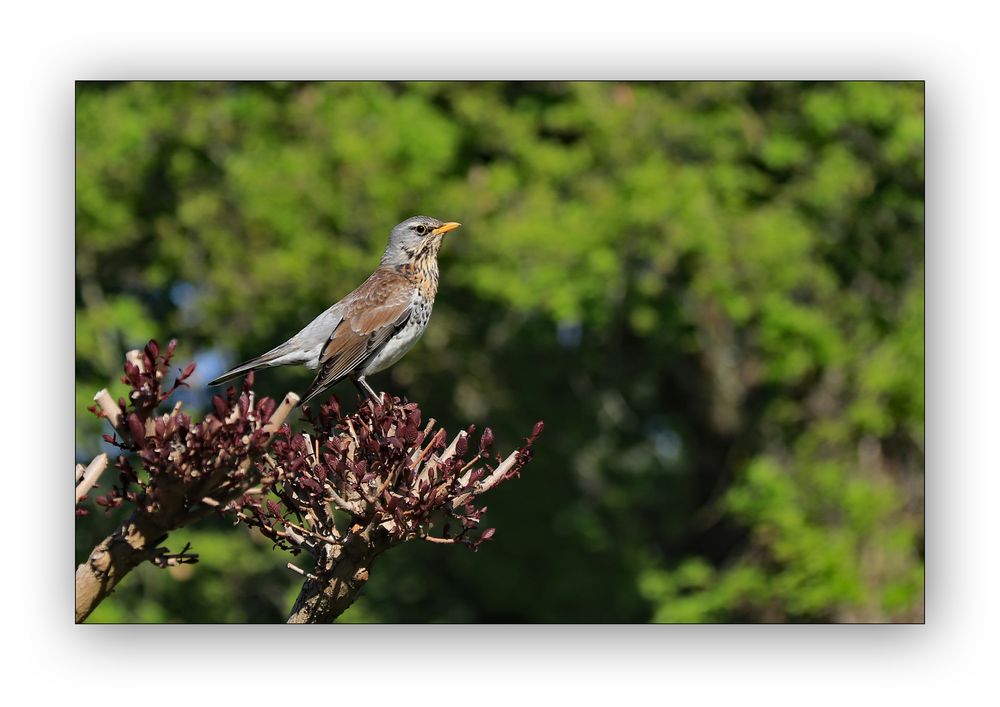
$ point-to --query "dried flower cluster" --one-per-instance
(207, 463)
(172, 470)
(382, 471)
(349, 489)
(364, 482)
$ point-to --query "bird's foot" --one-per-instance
(366, 389)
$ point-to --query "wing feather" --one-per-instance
(371, 315)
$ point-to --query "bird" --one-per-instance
(372, 327)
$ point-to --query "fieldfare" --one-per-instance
(371, 328)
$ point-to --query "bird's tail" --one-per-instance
(245, 367)
(275, 357)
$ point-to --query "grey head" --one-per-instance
(414, 237)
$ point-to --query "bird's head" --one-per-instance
(415, 237)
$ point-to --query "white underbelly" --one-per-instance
(395, 347)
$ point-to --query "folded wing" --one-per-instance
(371, 315)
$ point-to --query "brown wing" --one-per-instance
(372, 314)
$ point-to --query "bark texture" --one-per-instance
(128, 546)
(325, 597)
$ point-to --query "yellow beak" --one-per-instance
(445, 227)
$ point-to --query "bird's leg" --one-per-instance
(366, 389)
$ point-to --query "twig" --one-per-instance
(292, 535)
(415, 461)
(110, 409)
(91, 474)
(310, 533)
(430, 445)
(279, 415)
(299, 570)
(497, 474)
(425, 473)
(439, 541)
(450, 451)
(339, 501)
(163, 559)
(427, 428)
(466, 470)
(489, 482)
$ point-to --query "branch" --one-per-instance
(402, 477)
(130, 545)
(188, 466)
(326, 596)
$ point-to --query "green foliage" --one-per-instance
(711, 292)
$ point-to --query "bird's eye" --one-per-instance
(421, 229)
